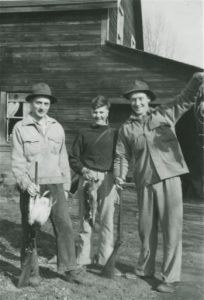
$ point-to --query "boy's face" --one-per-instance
(139, 103)
(39, 107)
(100, 115)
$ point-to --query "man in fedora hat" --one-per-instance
(41, 138)
(148, 137)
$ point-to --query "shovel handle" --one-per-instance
(36, 172)
(121, 167)
(120, 216)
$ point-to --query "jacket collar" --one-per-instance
(28, 120)
(99, 126)
(134, 118)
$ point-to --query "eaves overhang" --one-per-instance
(13, 6)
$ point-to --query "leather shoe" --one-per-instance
(141, 274)
(166, 287)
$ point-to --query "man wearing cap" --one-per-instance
(148, 136)
(41, 138)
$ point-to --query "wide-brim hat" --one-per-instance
(139, 87)
(41, 89)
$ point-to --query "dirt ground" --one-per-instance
(96, 287)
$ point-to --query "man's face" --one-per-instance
(100, 115)
(40, 107)
(139, 103)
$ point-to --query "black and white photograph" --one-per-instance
(101, 149)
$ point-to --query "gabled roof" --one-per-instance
(53, 5)
(166, 76)
(136, 55)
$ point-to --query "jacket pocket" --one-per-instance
(164, 132)
(54, 145)
(31, 147)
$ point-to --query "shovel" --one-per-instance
(30, 250)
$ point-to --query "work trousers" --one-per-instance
(161, 202)
(106, 195)
(62, 225)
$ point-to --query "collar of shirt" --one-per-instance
(99, 126)
(29, 120)
(134, 118)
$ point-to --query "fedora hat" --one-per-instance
(139, 87)
(41, 89)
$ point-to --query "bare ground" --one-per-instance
(96, 287)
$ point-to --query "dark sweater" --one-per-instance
(93, 148)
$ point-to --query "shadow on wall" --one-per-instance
(8, 190)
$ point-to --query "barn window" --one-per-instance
(13, 109)
(120, 25)
(133, 42)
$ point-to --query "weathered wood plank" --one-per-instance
(129, 22)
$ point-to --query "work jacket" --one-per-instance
(151, 143)
(30, 144)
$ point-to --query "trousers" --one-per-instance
(161, 202)
(62, 226)
(105, 196)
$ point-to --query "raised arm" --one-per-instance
(184, 101)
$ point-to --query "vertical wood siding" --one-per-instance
(113, 25)
(129, 22)
(129, 28)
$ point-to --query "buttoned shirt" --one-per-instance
(46, 145)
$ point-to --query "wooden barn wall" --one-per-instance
(63, 49)
(56, 48)
(129, 22)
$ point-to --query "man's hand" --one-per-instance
(86, 173)
(119, 183)
(33, 189)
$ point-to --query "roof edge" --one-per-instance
(132, 52)
(53, 5)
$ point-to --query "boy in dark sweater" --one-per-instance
(92, 158)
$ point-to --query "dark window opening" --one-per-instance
(119, 113)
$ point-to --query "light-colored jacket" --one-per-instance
(152, 144)
(30, 145)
